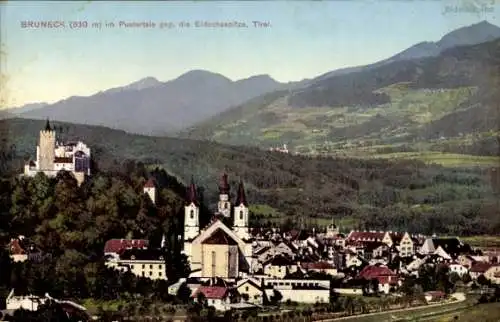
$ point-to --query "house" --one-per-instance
(434, 296)
(216, 296)
(148, 263)
(406, 246)
(32, 303)
(16, 251)
(386, 278)
(26, 302)
(279, 266)
(493, 274)
(451, 246)
(114, 247)
(251, 288)
(299, 290)
(479, 268)
(456, 267)
(319, 267)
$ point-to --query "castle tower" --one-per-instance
(150, 189)
(241, 212)
(224, 205)
(46, 148)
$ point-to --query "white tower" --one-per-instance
(191, 219)
(241, 212)
(150, 189)
(224, 205)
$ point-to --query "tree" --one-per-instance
(184, 293)
(276, 297)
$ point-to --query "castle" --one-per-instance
(218, 250)
(53, 156)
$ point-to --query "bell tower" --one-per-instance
(191, 214)
(241, 213)
(46, 149)
(191, 219)
(224, 204)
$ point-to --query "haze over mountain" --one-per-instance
(149, 106)
(447, 102)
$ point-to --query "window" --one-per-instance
(151, 266)
(159, 273)
(246, 289)
(143, 274)
(143, 266)
(150, 273)
(131, 266)
(191, 214)
(241, 214)
(214, 258)
(225, 205)
(160, 266)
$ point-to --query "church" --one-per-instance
(218, 250)
(53, 156)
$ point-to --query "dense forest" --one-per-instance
(70, 225)
(375, 194)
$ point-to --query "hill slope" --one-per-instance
(401, 103)
(386, 195)
(149, 106)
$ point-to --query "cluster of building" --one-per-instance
(234, 266)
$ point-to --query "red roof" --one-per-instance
(372, 271)
(317, 265)
(211, 292)
(150, 183)
(480, 267)
(15, 248)
(366, 236)
(119, 245)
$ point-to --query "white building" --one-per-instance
(149, 263)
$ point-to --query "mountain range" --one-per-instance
(151, 107)
(410, 97)
(416, 100)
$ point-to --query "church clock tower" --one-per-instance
(241, 212)
(191, 219)
(224, 205)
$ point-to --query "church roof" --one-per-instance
(150, 183)
(47, 126)
(192, 194)
(223, 184)
(241, 198)
(219, 237)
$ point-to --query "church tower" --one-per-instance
(150, 190)
(46, 149)
(191, 214)
(224, 205)
(241, 212)
(191, 219)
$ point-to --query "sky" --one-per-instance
(302, 39)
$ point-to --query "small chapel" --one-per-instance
(219, 249)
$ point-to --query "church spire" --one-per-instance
(191, 197)
(47, 125)
(224, 185)
(241, 199)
